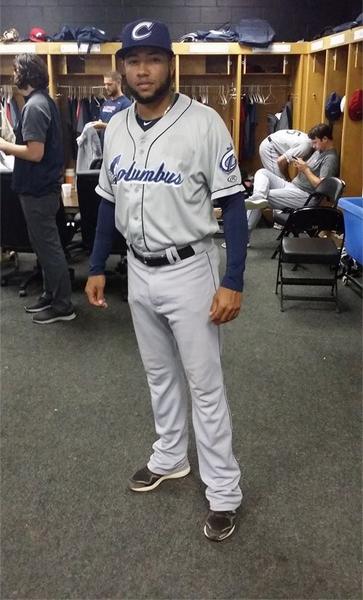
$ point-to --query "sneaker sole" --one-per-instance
(149, 488)
(220, 539)
(36, 310)
(256, 204)
(55, 319)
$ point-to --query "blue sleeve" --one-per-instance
(236, 236)
(104, 236)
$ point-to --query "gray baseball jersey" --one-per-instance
(290, 142)
(164, 180)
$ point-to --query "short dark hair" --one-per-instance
(320, 131)
(31, 70)
(114, 75)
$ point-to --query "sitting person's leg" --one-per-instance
(264, 181)
(289, 197)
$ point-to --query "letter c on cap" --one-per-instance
(144, 25)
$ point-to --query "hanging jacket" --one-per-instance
(89, 148)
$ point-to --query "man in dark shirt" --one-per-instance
(38, 168)
(115, 102)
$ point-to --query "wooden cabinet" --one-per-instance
(313, 99)
(351, 144)
(218, 74)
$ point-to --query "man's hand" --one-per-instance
(99, 124)
(94, 289)
(225, 306)
(3, 145)
(301, 165)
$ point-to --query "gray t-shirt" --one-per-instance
(36, 118)
(322, 164)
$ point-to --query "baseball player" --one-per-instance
(282, 147)
(158, 183)
(276, 192)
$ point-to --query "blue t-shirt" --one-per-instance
(111, 107)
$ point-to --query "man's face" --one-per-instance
(319, 144)
(19, 81)
(148, 74)
(111, 87)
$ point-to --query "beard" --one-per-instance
(159, 93)
(20, 80)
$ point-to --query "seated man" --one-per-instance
(275, 192)
(280, 148)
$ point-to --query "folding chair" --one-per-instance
(329, 190)
(311, 250)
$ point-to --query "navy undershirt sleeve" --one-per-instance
(104, 235)
(236, 236)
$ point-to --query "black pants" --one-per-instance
(40, 216)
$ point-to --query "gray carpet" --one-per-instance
(76, 422)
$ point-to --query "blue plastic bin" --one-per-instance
(353, 221)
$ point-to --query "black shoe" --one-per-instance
(50, 315)
(145, 481)
(220, 524)
(42, 303)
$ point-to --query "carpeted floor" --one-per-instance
(76, 422)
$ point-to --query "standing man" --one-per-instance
(282, 147)
(115, 102)
(276, 192)
(38, 171)
(166, 159)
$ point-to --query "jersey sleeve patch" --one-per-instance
(228, 161)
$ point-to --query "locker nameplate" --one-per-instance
(209, 48)
(72, 48)
(17, 48)
(335, 40)
(318, 45)
(275, 48)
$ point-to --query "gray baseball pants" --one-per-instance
(269, 156)
(279, 192)
(178, 342)
(40, 216)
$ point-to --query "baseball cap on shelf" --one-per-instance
(355, 105)
(10, 35)
(342, 104)
(37, 34)
(332, 107)
(145, 34)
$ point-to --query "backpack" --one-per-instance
(332, 107)
(355, 105)
(66, 34)
(90, 35)
(255, 32)
(349, 24)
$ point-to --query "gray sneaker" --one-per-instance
(220, 524)
(257, 202)
(146, 481)
(50, 315)
(42, 303)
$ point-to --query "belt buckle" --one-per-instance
(144, 260)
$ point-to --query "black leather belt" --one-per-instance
(159, 261)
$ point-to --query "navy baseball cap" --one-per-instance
(145, 33)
